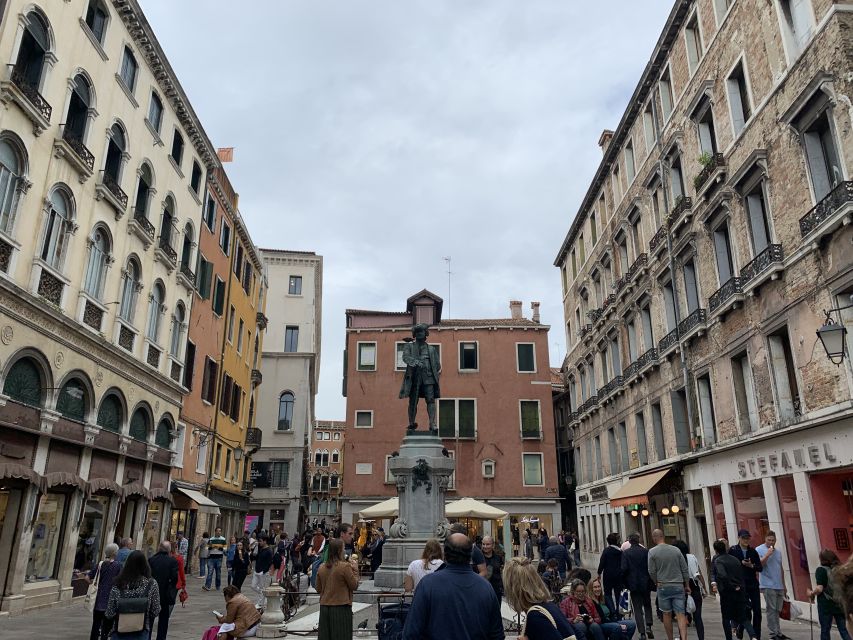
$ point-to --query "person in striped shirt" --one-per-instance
(216, 550)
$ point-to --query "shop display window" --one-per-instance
(180, 522)
(798, 562)
(47, 535)
(751, 509)
(832, 497)
(153, 528)
(719, 512)
(91, 541)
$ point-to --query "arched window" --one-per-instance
(73, 400)
(324, 487)
(110, 413)
(187, 249)
(177, 330)
(324, 462)
(96, 19)
(318, 457)
(285, 411)
(10, 185)
(78, 109)
(336, 456)
(315, 506)
(129, 291)
(96, 266)
(57, 228)
(315, 483)
(167, 231)
(155, 306)
(139, 425)
(163, 437)
(116, 146)
(24, 383)
(34, 45)
(143, 192)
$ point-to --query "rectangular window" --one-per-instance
(617, 185)
(219, 297)
(210, 376)
(363, 419)
(203, 278)
(177, 148)
(238, 261)
(189, 366)
(630, 169)
(574, 265)
(366, 356)
(201, 460)
(217, 460)
(739, 102)
(291, 339)
(822, 156)
(669, 304)
(225, 398)
(589, 475)
(632, 340)
(280, 474)
(294, 286)
(623, 446)
(599, 463)
(723, 252)
(236, 403)
(210, 212)
(468, 356)
(784, 375)
(225, 238)
(195, 177)
(721, 8)
(657, 426)
(642, 447)
(248, 278)
(676, 180)
(389, 477)
(648, 333)
(457, 418)
(128, 69)
(240, 333)
(681, 424)
(797, 25)
(706, 129)
(759, 222)
(399, 364)
(155, 112)
(231, 319)
(612, 452)
(526, 357)
(593, 230)
(227, 463)
(531, 421)
(691, 285)
(581, 249)
(533, 472)
(745, 407)
(693, 40)
(667, 100)
(708, 420)
(615, 356)
(649, 134)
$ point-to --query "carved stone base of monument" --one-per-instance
(272, 622)
(421, 472)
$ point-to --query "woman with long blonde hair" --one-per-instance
(526, 593)
(431, 559)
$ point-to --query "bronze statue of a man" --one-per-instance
(423, 368)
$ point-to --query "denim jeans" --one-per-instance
(672, 599)
(202, 567)
(826, 625)
(230, 571)
(614, 631)
(214, 563)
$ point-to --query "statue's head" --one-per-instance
(420, 331)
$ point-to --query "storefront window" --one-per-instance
(153, 527)
(797, 559)
(47, 534)
(719, 512)
(832, 496)
(180, 522)
(91, 540)
(751, 509)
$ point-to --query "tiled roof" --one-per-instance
(556, 376)
(368, 312)
(301, 253)
(494, 322)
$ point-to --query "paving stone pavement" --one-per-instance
(73, 622)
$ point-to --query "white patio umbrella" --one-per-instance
(470, 508)
(386, 509)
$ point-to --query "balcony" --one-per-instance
(614, 385)
(186, 276)
(647, 360)
(828, 214)
(165, 253)
(19, 90)
(76, 153)
(257, 377)
(621, 283)
(692, 325)
(631, 371)
(141, 226)
(590, 404)
(574, 416)
(108, 189)
(261, 320)
(712, 173)
(668, 342)
(680, 213)
(594, 315)
(658, 240)
(248, 486)
(254, 439)
(727, 297)
(609, 303)
(767, 264)
(585, 332)
(639, 267)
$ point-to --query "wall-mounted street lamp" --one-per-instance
(833, 337)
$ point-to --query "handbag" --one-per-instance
(790, 611)
(691, 604)
(183, 596)
(131, 614)
(92, 591)
(544, 612)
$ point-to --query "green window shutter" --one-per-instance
(139, 425)
(72, 401)
(163, 438)
(529, 419)
(467, 419)
(23, 383)
(525, 358)
(204, 275)
(446, 418)
(532, 469)
(109, 414)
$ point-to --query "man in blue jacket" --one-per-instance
(454, 601)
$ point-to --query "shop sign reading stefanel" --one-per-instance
(799, 458)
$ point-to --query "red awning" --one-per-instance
(636, 490)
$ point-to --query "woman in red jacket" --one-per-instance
(182, 577)
(581, 610)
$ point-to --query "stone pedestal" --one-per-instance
(272, 621)
(421, 472)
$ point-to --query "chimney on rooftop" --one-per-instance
(515, 309)
(604, 140)
(535, 307)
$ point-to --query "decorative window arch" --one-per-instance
(140, 424)
(188, 244)
(13, 184)
(35, 53)
(156, 308)
(163, 435)
(178, 325)
(285, 411)
(144, 191)
(130, 288)
(111, 412)
(81, 107)
(59, 224)
(100, 248)
(168, 232)
(25, 382)
(336, 456)
(73, 399)
(116, 153)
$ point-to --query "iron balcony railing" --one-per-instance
(658, 238)
(695, 319)
(594, 314)
(165, 246)
(639, 264)
(31, 93)
(76, 144)
(632, 370)
(187, 272)
(717, 160)
(140, 219)
(755, 267)
(839, 196)
(648, 358)
(254, 438)
(730, 288)
(113, 187)
(668, 341)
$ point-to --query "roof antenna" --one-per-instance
(449, 272)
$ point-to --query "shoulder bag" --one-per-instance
(547, 614)
(92, 591)
(132, 613)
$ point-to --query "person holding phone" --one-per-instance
(752, 566)
(771, 582)
(581, 611)
(239, 611)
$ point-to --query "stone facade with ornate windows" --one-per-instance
(326, 470)
(93, 319)
(713, 234)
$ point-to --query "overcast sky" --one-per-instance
(386, 135)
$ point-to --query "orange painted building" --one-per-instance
(494, 414)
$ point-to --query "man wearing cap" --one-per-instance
(751, 563)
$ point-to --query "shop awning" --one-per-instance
(385, 509)
(636, 490)
(470, 508)
(205, 504)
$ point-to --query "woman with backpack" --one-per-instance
(134, 600)
(829, 607)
